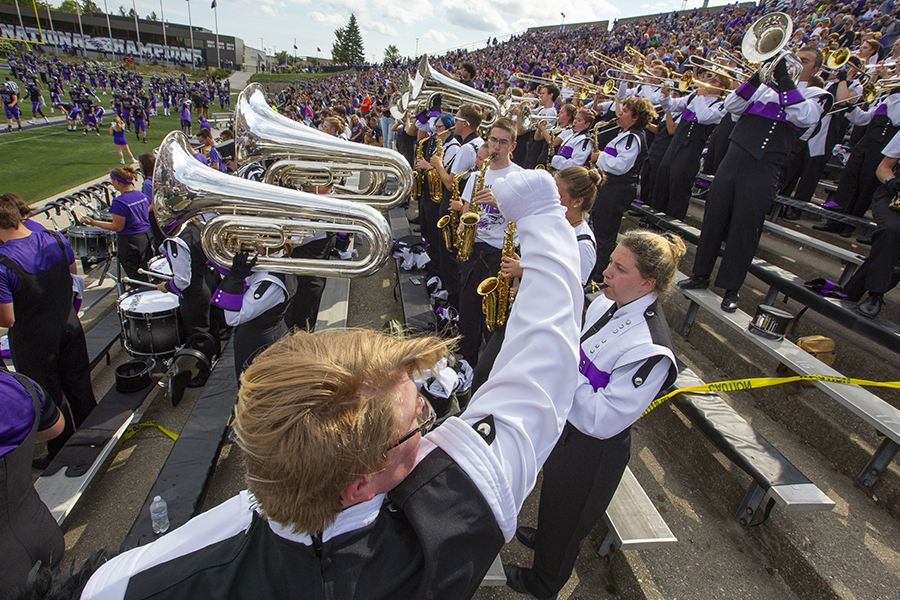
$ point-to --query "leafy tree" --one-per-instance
(132, 14)
(353, 49)
(391, 54)
(283, 58)
(69, 6)
(337, 48)
(89, 7)
(152, 16)
(122, 12)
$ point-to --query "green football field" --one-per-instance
(41, 162)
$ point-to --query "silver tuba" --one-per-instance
(306, 156)
(256, 214)
(453, 93)
(765, 42)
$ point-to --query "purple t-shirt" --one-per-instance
(37, 252)
(147, 187)
(17, 413)
(135, 207)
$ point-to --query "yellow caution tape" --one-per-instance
(734, 385)
(138, 426)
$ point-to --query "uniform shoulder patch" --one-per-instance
(485, 428)
(261, 289)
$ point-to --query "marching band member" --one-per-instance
(45, 336)
(254, 303)
(537, 147)
(700, 112)
(627, 357)
(485, 259)
(575, 148)
(858, 180)
(621, 160)
(131, 222)
(186, 259)
(876, 275)
(747, 180)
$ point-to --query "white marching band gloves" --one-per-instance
(527, 193)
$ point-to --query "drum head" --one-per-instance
(86, 231)
(148, 302)
(160, 265)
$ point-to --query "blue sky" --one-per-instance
(438, 24)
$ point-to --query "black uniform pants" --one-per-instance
(717, 147)
(304, 309)
(580, 478)
(858, 181)
(429, 213)
(876, 274)
(739, 199)
(613, 199)
(656, 151)
(135, 249)
(675, 178)
(484, 263)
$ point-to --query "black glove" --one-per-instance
(780, 70)
(755, 80)
(893, 185)
(242, 265)
(841, 75)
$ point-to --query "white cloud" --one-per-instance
(523, 24)
(331, 20)
(358, 7)
(265, 8)
(301, 2)
(406, 14)
(378, 27)
(439, 37)
(474, 14)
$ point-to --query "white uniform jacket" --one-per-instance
(613, 387)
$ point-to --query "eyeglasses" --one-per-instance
(461, 120)
(502, 143)
(425, 417)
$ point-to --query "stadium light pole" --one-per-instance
(108, 24)
(162, 15)
(80, 28)
(50, 16)
(191, 26)
(215, 6)
(21, 23)
(137, 31)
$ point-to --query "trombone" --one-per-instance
(717, 68)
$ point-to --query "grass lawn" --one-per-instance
(38, 163)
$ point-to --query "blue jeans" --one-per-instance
(387, 122)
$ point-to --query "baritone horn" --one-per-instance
(302, 155)
(454, 94)
(765, 42)
(249, 213)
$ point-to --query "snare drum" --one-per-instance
(160, 265)
(90, 243)
(151, 323)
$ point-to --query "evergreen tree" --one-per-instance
(352, 43)
(152, 16)
(122, 12)
(89, 7)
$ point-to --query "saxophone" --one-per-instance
(494, 291)
(418, 177)
(471, 218)
(434, 178)
(551, 151)
(449, 223)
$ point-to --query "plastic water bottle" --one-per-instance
(159, 515)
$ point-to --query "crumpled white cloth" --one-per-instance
(411, 258)
(440, 381)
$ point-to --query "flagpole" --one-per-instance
(218, 56)
(50, 16)
(162, 14)
(80, 28)
(191, 26)
(21, 23)
(295, 51)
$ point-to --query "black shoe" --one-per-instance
(515, 580)
(846, 231)
(415, 221)
(872, 306)
(417, 230)
(694, 282)
(829, 226)
(792, 214)
(867, 240)
(730, 301)
(41, 462)
(526, 535)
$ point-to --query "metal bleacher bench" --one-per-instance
(101, 337)
(851, 260)
(811, 207)
(879, 330)
(633, 521)
(864, 404)
(417, 310)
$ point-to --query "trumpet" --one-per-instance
(718, 68)
(529, 120)
(257, 214)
